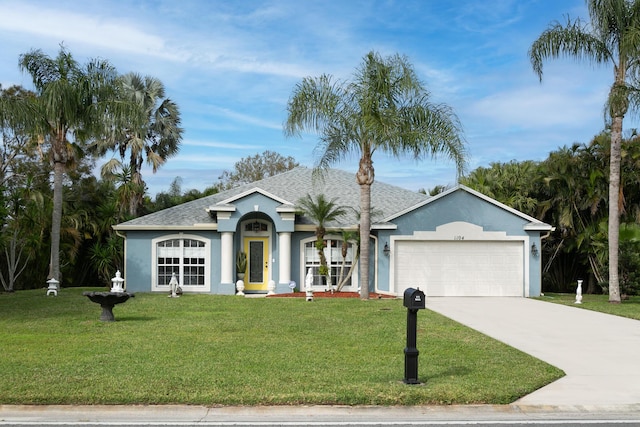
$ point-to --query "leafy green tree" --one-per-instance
(94, 251)
(513, 183)
(22, 231)
(384, 108)
(610, 38)
(70, 107)
(574, 200)
(175, 196)
(256, 167)
(153, 134)
(321, 211)
(15, 141)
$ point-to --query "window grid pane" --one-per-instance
(333, 252)
(185, 258)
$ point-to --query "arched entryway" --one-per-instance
(256, 243)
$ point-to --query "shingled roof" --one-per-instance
(386, 200)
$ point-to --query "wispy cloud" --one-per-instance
(76, 28)
(231, 67)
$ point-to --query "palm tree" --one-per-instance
(321, 211)
(347, 236)
(610, 39)
(154, 134)
(70, 107)
(385, 108)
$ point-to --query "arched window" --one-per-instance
(187, 257)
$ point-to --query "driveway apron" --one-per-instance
(599, 353)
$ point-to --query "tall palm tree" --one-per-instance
(611, 38)
(384, 108)
(70, 106)
(154, 133)
(321, 211)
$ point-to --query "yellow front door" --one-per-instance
(257, 250)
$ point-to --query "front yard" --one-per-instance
(229, 350)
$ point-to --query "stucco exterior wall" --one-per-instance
(463, 207)
(138, 270)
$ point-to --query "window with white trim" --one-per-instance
(187, 257)
(335, 261)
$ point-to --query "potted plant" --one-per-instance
(241, 264)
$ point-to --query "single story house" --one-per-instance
(458, 243)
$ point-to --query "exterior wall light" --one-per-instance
(534, 250)
(386, 249)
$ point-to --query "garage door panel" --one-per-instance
(460, 268)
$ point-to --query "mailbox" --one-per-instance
(414, 299)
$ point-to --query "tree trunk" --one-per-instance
(56, 220)
(136, 179)
(364, 178)
(365, 226)
(614, 209)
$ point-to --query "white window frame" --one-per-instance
(317, 286)
(206, 252)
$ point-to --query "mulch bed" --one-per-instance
(372, 295)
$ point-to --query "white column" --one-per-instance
(226, 257)
(284, 244)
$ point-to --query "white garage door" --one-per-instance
(460, 268)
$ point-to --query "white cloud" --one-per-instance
(219, 144)
(234, 115)
(74, 28)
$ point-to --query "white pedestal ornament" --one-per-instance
(53, 287)
(173, 284)
(579, 293)
(308, 284)
(117, 283)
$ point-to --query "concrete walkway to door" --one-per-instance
(599, 353)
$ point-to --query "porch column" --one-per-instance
(226, 257)
(284, 244)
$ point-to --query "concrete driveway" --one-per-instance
(599, 353)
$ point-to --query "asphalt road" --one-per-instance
(316, 416)
(541, 423)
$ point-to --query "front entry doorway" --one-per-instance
(257, 250)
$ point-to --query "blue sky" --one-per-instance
(231, 67)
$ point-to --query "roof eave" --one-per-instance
(201, 226)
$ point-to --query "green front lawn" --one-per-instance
(228, 350)
(628, 308)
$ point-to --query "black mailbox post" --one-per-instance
(414, 300)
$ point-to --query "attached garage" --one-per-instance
(460, 267)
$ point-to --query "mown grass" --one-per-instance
(628, 308)
(227, 350)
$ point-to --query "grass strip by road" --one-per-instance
(628, 308)
(229, 350)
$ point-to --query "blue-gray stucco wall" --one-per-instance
(465, 207)
(139, 265)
